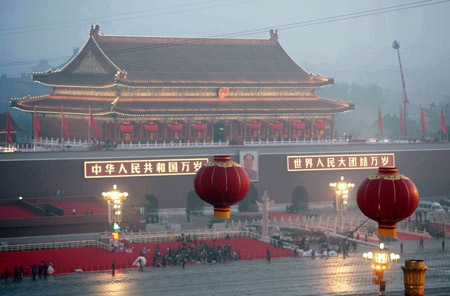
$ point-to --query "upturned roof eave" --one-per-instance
(131, 84)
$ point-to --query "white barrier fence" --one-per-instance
(54, 245)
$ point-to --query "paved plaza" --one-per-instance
(286, 276)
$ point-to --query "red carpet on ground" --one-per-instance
(94, 259)
(16, 212)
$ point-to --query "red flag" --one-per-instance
(66, 127)
(8, 126)
(380, 120)
(93, 124)
(422, 119)
(443, 127)
(401, 122)
(37, 127)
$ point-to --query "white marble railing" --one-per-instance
(73, 144)
(170, 144)
(268, 142)
(55, 143)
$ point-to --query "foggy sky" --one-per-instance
(357, 49)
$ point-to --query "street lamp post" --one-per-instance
(380, 260)
(341, 190)
(115, 200)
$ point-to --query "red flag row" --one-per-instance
(422, 120)
(8, 126)
(64, 125)
(443, 127)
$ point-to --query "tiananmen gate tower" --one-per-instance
(184, 89)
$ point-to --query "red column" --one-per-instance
(289, 131)
(165, 130)
(332, 126)
(244, 131)
(231, 136)
(266, 126)
(140, 131)
(189, 126)
(212, 130)
(115, 131)
(285, 128)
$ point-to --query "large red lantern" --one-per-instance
(176, 127)
(321, 125)
(153, 128)
(126, 128)
(200, 127)
(387, 197)
(254, 126)
(276, 126)
(222, 183)
(298, 125)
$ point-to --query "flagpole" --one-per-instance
(62, 137)
(34, 129)
(6, 136)
(89, 126)
(396, 46)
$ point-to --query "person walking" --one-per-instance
(33, 272)
(188, 215)
(421, 243)
(6, 274)
(401, 247)
(443, 245)
(269, 255)
(45, 269)
(16, 274)
(40, 269)
(113, 267)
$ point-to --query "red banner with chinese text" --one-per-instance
(339, 162)
(141, 168)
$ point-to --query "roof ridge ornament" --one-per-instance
(95, 30)
(273, 35)
(120, 75)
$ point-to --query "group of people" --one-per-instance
(122, 246)
(188, 250)
(324, 245)
(18, 274)
(42, 270)
(193, 252)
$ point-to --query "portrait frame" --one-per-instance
(254, 174)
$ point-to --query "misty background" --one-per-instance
(350, 40)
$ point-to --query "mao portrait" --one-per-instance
(248, 159)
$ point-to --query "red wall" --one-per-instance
(428, 170)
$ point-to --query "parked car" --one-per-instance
(430, 206)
